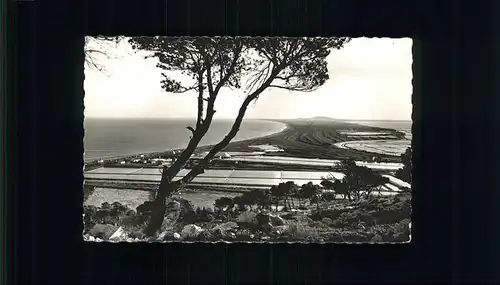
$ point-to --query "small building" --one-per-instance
(161, 160)
(222, 155)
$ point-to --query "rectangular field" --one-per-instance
(237, 177)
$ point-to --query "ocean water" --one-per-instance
(105, 138)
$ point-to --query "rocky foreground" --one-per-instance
(378, 219)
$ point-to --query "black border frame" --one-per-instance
(453, 111)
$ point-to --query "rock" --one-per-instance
(226, 226)
(103, 231)
(223, 230)
(268, 220)
(163, 235)
(130, 212)
(191, 231)
(247, 217)
(177, 236)
(119, 235)
(88, 238)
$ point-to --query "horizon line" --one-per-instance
(229, 118)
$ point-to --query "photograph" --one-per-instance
(247, 139)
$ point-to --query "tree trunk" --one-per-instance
(166, 188)
(159, 209)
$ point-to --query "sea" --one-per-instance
(113, 137)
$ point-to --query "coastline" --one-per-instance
(170, 150)
(300, 138)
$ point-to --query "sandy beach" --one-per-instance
(314, 139)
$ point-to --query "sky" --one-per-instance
(370, 79)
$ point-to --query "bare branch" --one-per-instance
(292, 88)
(191, 129)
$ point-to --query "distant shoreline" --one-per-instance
(166, 151)
(307, 138)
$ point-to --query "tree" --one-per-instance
(261, 197)
(405, 172)
(292, 191)
(284, 191)
(312, 192)
(240, 202)
(289, 189)
(278, 193)
(209, 64)
(224, 204)
(329, 184)
(96, 47)
(342, 188)
(358, 181)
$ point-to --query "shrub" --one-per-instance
(328, 196)
(145, 208)
(204, 215)
(187, 214)
(333, 214)
(87, 191)
(224, 202)
(397, 232)
(300, 230)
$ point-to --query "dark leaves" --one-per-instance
(221, 57)
(297, 64)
